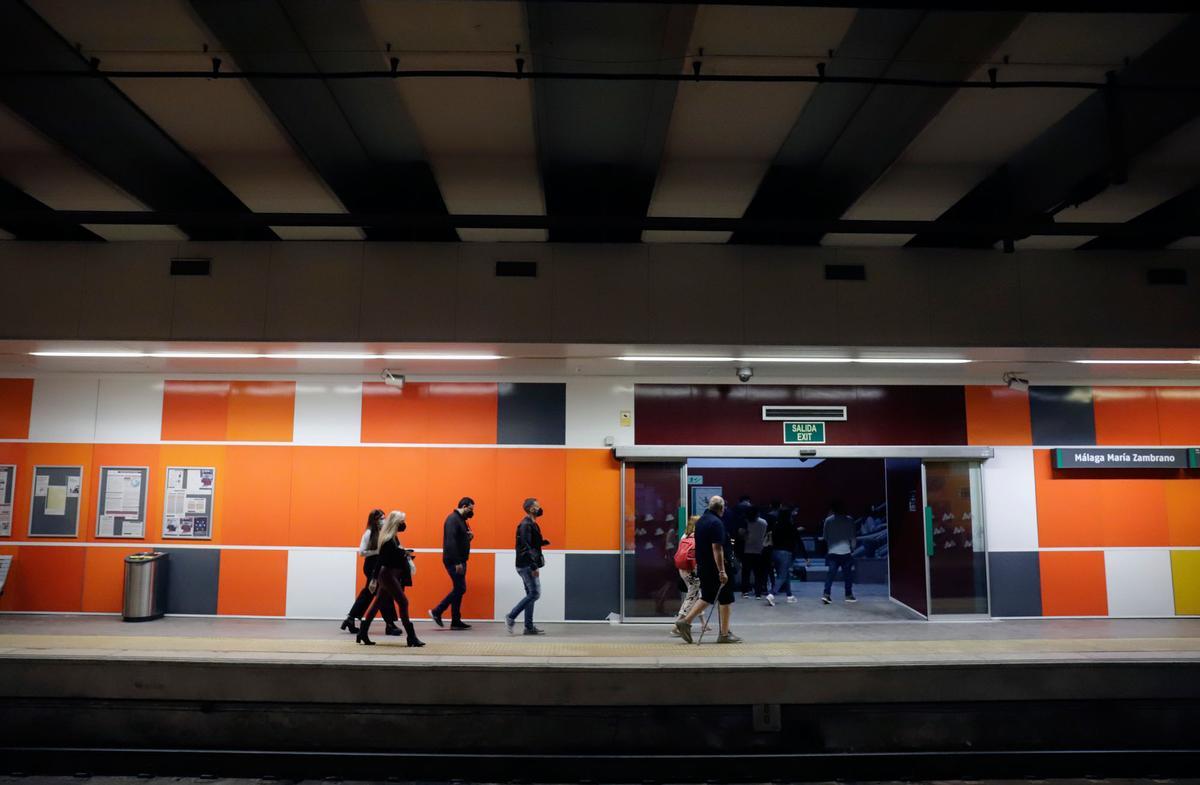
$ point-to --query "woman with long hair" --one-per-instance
(393, 575)
(368, 548)
(685, 562)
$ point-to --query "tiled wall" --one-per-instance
(298, 465)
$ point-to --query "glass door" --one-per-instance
(906, 552)
(956, 553)
(652, 496)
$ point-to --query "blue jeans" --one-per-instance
(846, 562)
(783, 571)
(533, 590)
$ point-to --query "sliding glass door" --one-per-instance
(652, 505)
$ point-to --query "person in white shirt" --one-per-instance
(368, 548)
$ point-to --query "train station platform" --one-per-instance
(824, 697)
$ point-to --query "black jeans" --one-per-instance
(453, 600)
(756, 564)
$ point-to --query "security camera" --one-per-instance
(1015, 381)
(745, 374)
(392, 379)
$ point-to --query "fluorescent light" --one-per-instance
(87, 354)
(1137, 362)
(205, 355)
(332, 356)
(674, 358)
(912, 360)
(272, 356)
(796, 360)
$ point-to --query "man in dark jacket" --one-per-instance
(529, 562)
(456, 549)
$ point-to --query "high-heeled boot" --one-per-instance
(362, 636)
(413, 640)
(348, 625)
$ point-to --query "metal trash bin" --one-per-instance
(145, 586)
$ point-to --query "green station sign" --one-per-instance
(804, 433)
(1194, 458)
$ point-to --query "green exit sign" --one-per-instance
(804, 433)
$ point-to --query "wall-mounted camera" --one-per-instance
(745, 374)
(392, 379)
(1015, 381)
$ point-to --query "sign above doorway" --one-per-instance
(804, 433)
(1121, 458)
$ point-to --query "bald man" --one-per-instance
(715, 586)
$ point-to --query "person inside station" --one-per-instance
(839, 534)
(394, 573)
(712, 555)
(368, 548)
(529, 562)
(456, 550)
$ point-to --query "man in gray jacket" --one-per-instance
(839, 542)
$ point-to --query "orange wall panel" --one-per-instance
(998, 416)
(257, 495)
(430, 413)
(104, 579)
(195, 411)
(1183, 512)
(261, 411)
(1179, 415)
(252, 583)
(1126, 415)
(16, 402)
(521, 473)
(394, 478)
(1073, 583)
(593, 502)
(431, 584)
(452, 474)
(324, 495)
(45, 579)
(1075, 510)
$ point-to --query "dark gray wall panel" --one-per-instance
(531, 413)
(1016, 581)
(192, 580)
(593, 586)
(1062, 416)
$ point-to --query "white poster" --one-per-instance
(8, 484)
(121, 511)
(41, 485)
(188, 506)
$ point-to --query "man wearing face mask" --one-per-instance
(456, 549)
(529, 563)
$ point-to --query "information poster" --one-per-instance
(188, 509)
(54, 508)
(8, 485)
(121, 511)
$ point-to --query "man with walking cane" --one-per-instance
(715, 586)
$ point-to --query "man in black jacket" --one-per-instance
(529, 562)
(456, 549)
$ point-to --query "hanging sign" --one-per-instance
(804, 433)
(1120, 458)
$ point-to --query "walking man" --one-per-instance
(456, 549)
(839, 542)
(529, 564)
(715, 586)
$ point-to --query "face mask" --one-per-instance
(468, 515)
(539, 513)
(402, 527)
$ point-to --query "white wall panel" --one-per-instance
(1139, 583)
(64, 409)
(1010, 500)
(594, 409)
(321, 584)
(510, 589)
(328, 412)
(129, 410)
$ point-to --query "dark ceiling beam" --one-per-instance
(45, 225)
(600, 143)
(357, 134)
(1156, 228)
(848, 135)
(1087, 150)
(1021, 6)
(97, 124)
(599, 223)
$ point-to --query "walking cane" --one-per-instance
(704, 628)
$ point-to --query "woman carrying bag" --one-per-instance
(395, 572)
(368, 548)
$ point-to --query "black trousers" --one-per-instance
(388, 611)
(753, 563)
(453, 600)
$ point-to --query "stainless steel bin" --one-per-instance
(145, 586)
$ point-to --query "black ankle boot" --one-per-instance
(413, 641)
(362, 637)
(348, 625)
(391, 629)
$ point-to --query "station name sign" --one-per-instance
(1123, 458)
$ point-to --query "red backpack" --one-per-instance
(685, 554)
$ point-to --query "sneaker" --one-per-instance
(684, 630)
(674, 631)
(534, 631)
(851, 598)
(771, 600)
(791, 600)
(745, 595)
(437, 619)
(826, 599)
(459, 625)
(509, 624)
(728, 637)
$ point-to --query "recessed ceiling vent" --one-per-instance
(507, 269)
(804, 413)
(181, 266)
(1166, 276)
(845, 272)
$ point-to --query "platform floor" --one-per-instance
(865, 643)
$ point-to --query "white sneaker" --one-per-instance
(791, 600)
(771, 600)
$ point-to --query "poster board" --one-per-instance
(8, 490)
(188, 506)
(121, 507)
(700, 496)
(57, 496)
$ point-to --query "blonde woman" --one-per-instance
(685, 562)
(395, 572)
